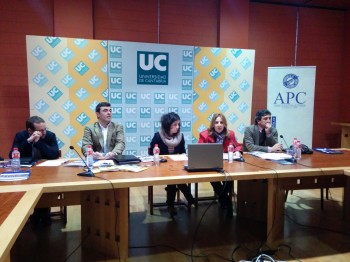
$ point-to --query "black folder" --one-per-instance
(126, 159)
(27, 161)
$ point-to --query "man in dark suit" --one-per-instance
(261, 136)
(37, 142)
(105, 137)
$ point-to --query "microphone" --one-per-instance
(284, 141)
(86, 173)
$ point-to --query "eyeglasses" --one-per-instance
(42, 130)
(266, 118)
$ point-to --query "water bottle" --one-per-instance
(89, 157)
(298, 151)
(230, 153)
(16, 162)
(294, 146)
(156, 155)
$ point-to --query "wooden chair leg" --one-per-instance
(322, 204)
(150, 199)
(62, 213)
(196, 195)
(65, 219)
(197, 198)
(286, 195)
(178, 199)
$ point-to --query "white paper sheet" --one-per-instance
(181, 157)
(56, 162)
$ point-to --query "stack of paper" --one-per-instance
(270, 156)
(129, 168)
(56, 162)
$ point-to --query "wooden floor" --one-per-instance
(204, 234)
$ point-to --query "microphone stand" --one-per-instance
(291, 159)
(87, 173)
(284, 141)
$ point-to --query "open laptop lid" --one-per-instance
(205, 157)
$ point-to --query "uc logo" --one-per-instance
(148, 61)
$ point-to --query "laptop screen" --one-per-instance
(205, 157)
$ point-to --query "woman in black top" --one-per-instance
(171, 141)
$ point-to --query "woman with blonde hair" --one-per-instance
(219, 133)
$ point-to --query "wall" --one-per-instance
(269, 29)
(344, 101)
(18, 18)
(320, 42)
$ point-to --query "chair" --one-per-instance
(178, 201)
(321, 193)
(209, 198)
(62, 213)
(151, 203)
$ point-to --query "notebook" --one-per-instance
(328, 150)
(205, 157)
(27, 161)
(126, 159)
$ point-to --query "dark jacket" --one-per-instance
(179, 149)
(48, 146)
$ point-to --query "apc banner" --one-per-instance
(290, 98)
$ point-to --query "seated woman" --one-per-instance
(218, 133)
(171, 141)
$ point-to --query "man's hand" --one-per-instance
(98, 155)
(277, 148)
(268, 128)
(109, 155)
(34, 137)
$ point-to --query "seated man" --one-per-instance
(105, 137)
(261, 136)
(38, 143)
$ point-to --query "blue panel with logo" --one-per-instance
(55, 93)
(152, 68)
(40, 79)
(82, 118)
(38, 52)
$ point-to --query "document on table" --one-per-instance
(225, 156)
(56, 162)
(179, 157)
(128, 168)
(15, 176)
(146, 159)
(270, 156)
(75, 163)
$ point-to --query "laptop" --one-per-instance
(205, 157)
(126, 159)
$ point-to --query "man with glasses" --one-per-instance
(261, 136)
(36, 142)
(105, 137)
